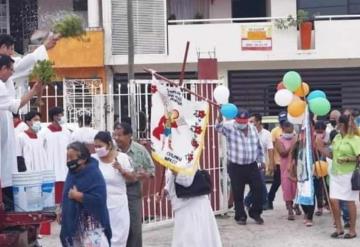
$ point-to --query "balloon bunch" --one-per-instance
(292, 92)
(221, 96)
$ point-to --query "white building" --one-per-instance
(332, 63)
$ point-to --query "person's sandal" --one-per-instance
(309, 223)
(291, 217)
(336, 234)
(349, 236)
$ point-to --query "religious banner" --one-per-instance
(305, 186)
(178, 127)
(256, 37)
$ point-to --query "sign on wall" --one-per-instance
(256, 37)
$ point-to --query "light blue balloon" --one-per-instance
(316, 94)
(229, 110)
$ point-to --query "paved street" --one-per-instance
(276, 232)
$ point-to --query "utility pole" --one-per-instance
(131, 76)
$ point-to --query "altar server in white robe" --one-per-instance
(8, 104)
(30, 145)
(195, 223)
(20, 71)
(56, 138)
(116, 169)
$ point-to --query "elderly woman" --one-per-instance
(84, 212)
(345, 153)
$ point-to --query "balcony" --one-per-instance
(334, 37)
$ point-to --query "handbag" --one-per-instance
(355, 178)
(201, 185)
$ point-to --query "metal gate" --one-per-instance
(107, 105)
(211, 160)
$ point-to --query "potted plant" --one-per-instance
(198, 16)
(305, 27)
(172, 17)
(303, 22)
(285, 23)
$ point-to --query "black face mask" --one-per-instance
(333, 123)
(73, 165)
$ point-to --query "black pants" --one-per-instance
(308, 211)
(275, 184)
(240, 175)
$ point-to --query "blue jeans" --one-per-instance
(345, 211)
(249, 198)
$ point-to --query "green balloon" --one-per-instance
(320, 106)
(292, 80)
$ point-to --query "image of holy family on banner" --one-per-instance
(178, 127)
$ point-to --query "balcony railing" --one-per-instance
(224, 20)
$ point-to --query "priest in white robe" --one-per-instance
(56, 138)
(9, 104)
(20, 70)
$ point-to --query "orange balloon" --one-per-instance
(296, 108)
(321, 168)
(303, 90)
(280, 85)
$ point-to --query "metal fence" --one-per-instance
(111, 104)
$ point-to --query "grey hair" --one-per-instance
(81, 148)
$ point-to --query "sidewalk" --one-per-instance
(276, 232)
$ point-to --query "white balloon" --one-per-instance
(296, 120)
(221, 94)
(283, 97)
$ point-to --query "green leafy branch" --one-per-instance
(43, 71)
(69, 26)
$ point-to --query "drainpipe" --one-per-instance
(93, 13)
(131, 76)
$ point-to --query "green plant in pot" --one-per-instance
(172, 17)
(302, 21)
(305, 27)
(198, 16)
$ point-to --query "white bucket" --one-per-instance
(27, 191)
(48, 188)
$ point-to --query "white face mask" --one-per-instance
(36, 126)
(288, 136)
(62, 120)
(241, 126)
(102, 152)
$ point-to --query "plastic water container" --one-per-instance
(48, 189)
(27, 191)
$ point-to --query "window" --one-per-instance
(4, 17)
(80, 5)
(330, 7)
